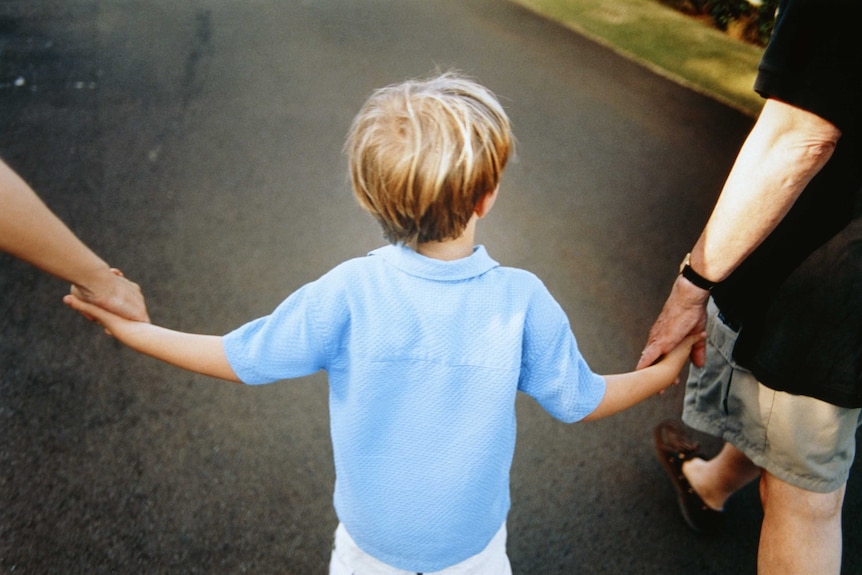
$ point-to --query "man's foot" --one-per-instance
(674, 447)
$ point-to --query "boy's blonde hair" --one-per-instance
(424, 152)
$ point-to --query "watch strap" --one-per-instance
(695, 278)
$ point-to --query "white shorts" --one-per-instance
(349, 559)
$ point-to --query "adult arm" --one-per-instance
(203, 354)
(31, 232)
(784, 151)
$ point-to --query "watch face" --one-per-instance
(685, 261)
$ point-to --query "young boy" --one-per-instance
(425, 341)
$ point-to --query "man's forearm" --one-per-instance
(786, 148)
(31, 232)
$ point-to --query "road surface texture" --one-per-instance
(196, 145)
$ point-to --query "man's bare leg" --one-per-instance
(801, 532)
(717, 479)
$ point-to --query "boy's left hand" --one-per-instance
(108, 320)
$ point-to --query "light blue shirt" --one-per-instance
(424, 358)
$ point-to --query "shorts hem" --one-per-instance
(715, 426)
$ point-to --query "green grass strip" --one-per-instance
(672, 44)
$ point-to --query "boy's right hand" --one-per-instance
(675, 359)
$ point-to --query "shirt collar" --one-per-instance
(413, 263)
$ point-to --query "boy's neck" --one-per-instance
(449, 250)
(446, 251)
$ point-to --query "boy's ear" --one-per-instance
(486, 203)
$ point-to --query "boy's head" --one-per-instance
(424, 152)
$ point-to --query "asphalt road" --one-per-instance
(197, 146)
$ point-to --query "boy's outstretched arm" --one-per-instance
(624, 390)
(202, 354)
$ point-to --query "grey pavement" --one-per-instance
(197, 146)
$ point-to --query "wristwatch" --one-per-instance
(688, 273)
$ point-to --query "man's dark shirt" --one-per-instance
(798, 297)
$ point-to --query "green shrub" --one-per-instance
(747, 21)
(766, 19)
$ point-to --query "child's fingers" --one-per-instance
(695, 339)
(92, 312)
(698, 351)
(76, 292)
(688, 348)
(74, 302)
(88, 310)
(691, 341)
(685, 347)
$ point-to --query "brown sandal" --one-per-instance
(674, 447)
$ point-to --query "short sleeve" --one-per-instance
(553, 371)
(814, 58)
(291, 342)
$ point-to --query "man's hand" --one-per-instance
(113, 292)
(684, 314)
(114, 325)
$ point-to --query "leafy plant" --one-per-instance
(756, 19)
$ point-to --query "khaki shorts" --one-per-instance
(803, 441)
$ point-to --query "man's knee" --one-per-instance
(778, 496)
